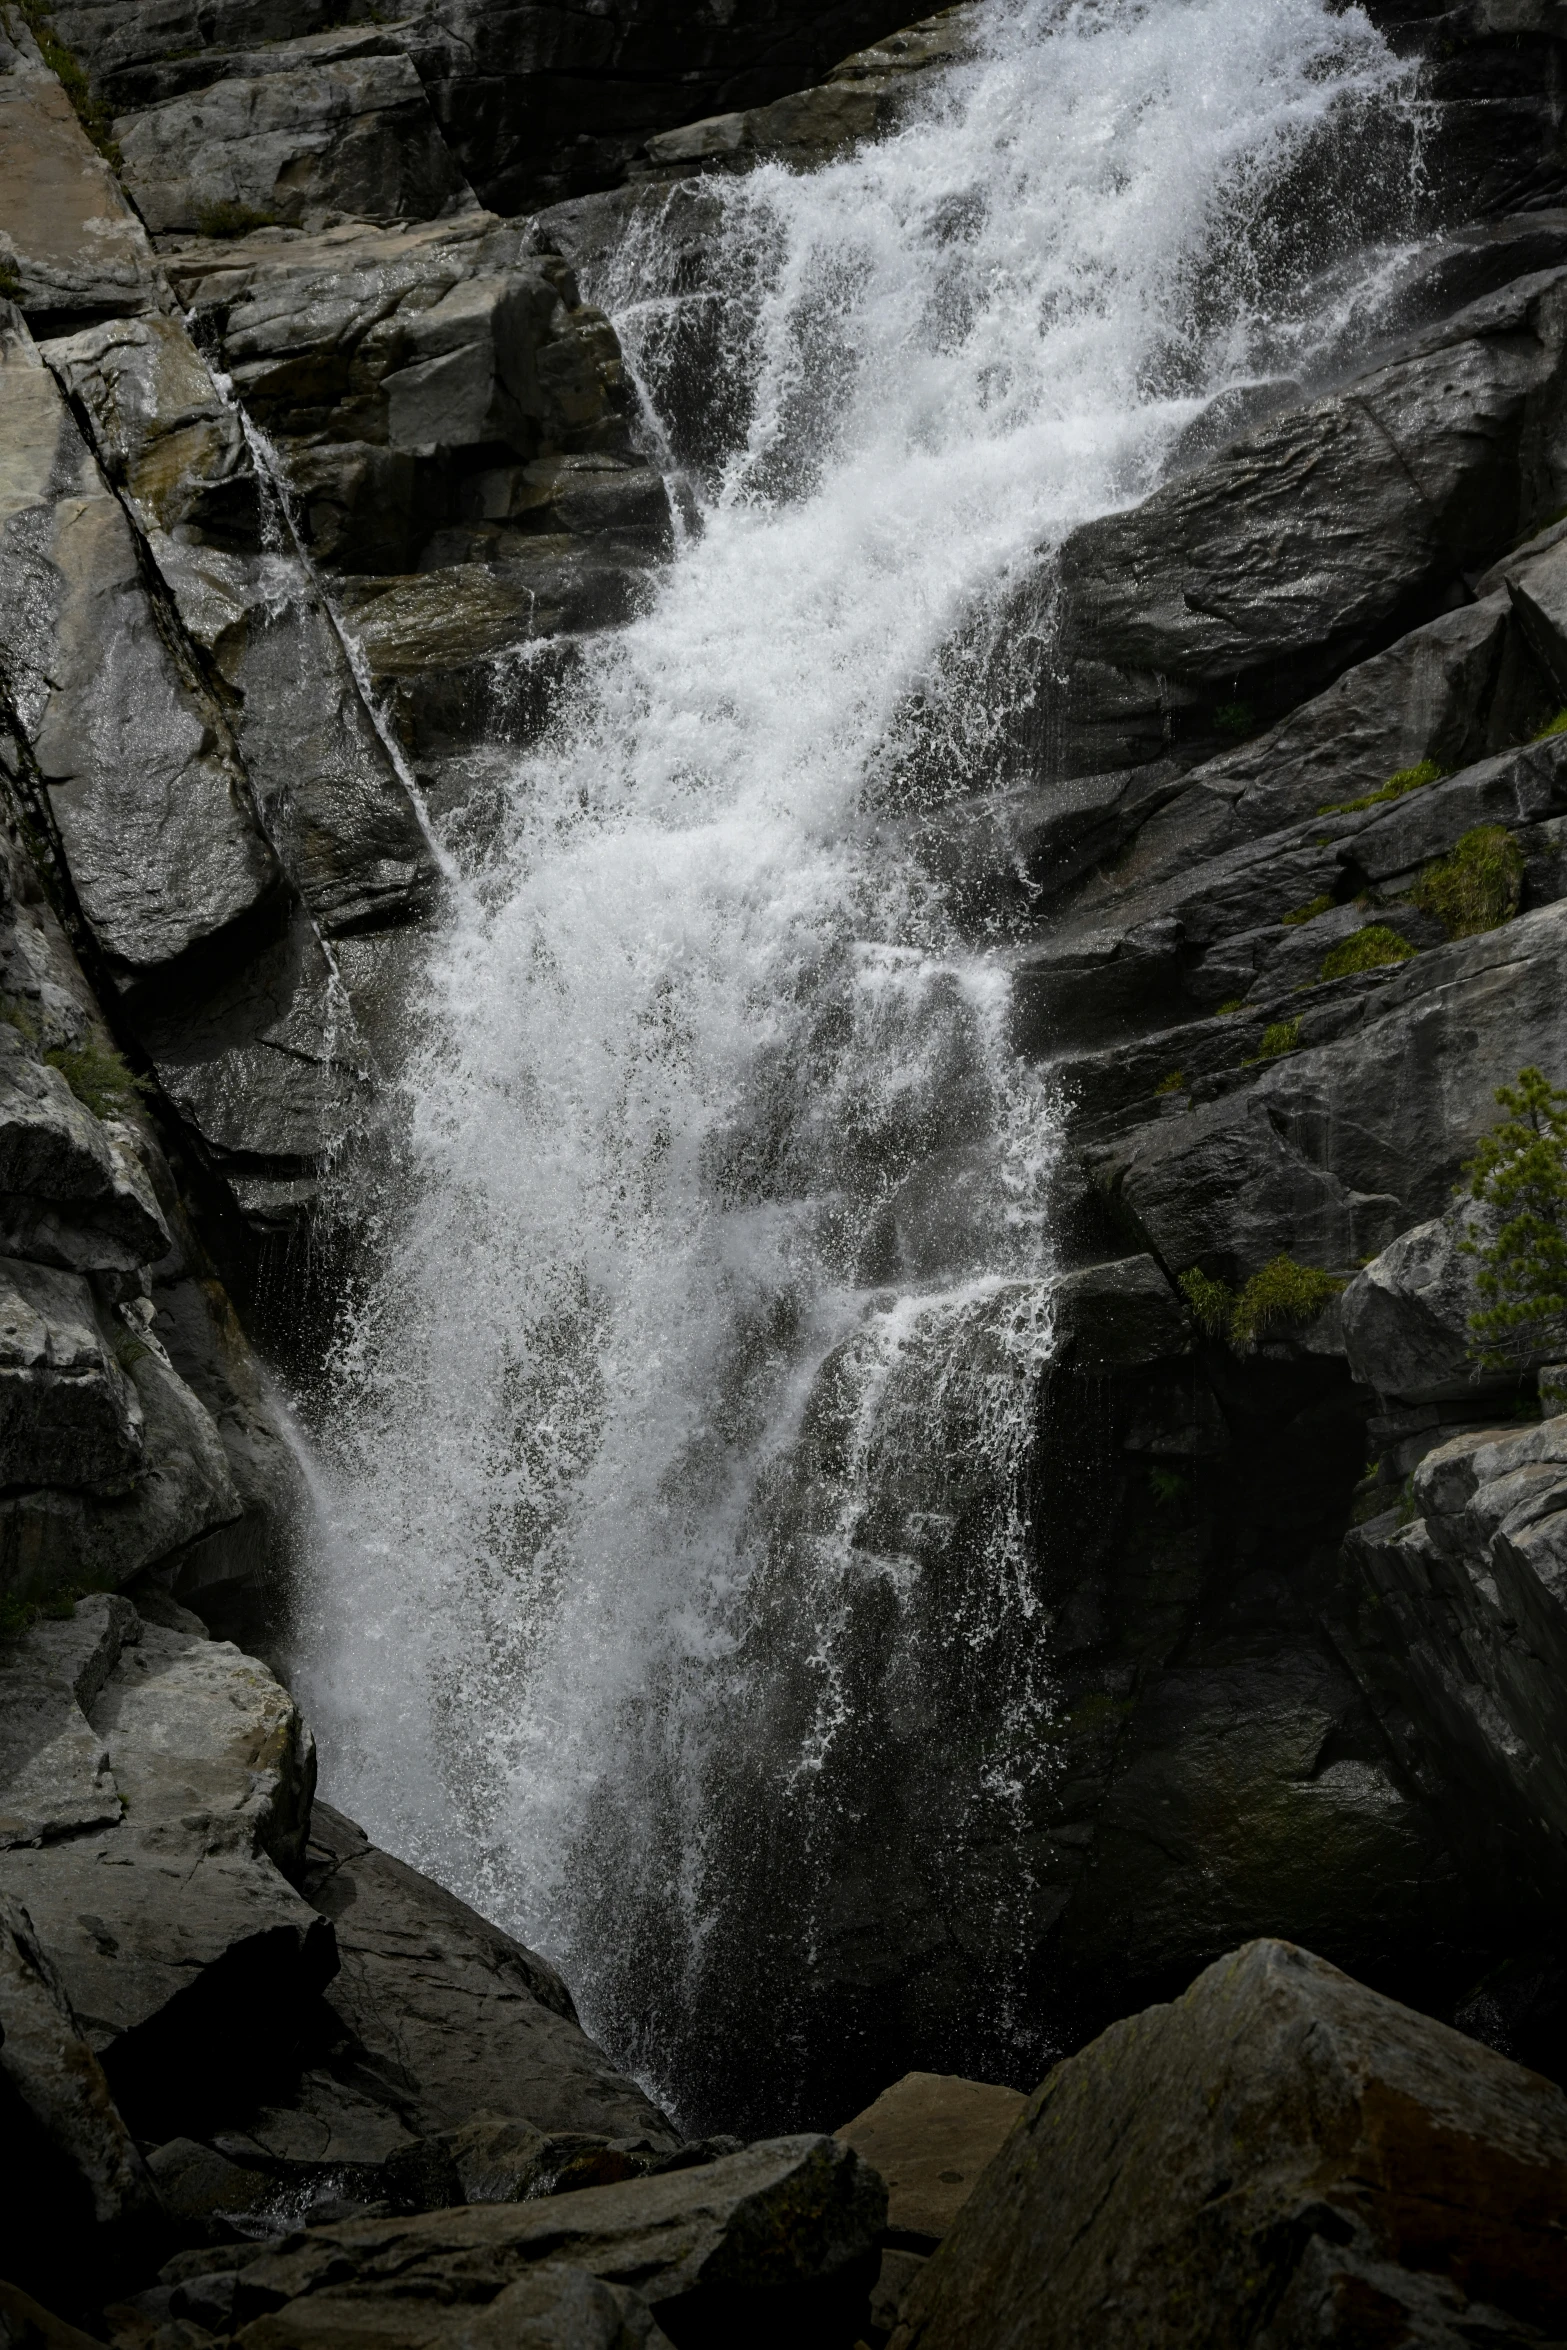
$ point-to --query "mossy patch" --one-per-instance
(1308, 913)
(1235, 718)
(1232, 1005)
(1478, 886)
(1173, 1081)
(1280, 1036)
(1371, 949)
(1407, 779)
(1556, 725)
(97, 1076)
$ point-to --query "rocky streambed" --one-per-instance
(322, 482)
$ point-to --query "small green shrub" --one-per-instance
(1212, 1303)
(1556, 725)
(97, 1076)
(1322, 905)
(1371, 949)
(1407, 779)
(1478, 886)
(1232, 1004)
(1280, 1036)
(1170, 1489)
(1282, 1292)
(1235, 718)
(1173, 1081)
(228, 219)
(10, 282)
(1519, 1172)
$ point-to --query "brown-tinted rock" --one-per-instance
(1280, 2155)
(930, 2135)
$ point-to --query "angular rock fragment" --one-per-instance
(1280, 2152)
(769, 2242)
(68, 1413)
(68, 238)
(930, 2136)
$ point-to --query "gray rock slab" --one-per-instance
(66, 232)
(55, 1774)
(931, 2136)
(152, 806)
(1280, 2147)
(790, 2218)
(460, 2018)
(1406, 1314)
(332, 126)
(68, 1413)
(557, 2307)
(184, 1952)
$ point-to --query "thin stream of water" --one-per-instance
(638, 1409)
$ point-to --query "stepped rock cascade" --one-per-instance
(681, 1467)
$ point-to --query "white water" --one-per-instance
(694, 1018)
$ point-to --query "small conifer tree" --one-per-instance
(1519, 1173)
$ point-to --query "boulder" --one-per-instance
(1310, 543)
(554, 2307)
(327, 127)
(930, 2136)
(1282, 2153)
(764, 2245)
(185, 1954)
(26, 2325)
(460, 2019)
(1406, 1314)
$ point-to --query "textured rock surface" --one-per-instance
(67, 234)
(1281, 2149)
(185, 1954)
(785, 2231)
(930, 2136)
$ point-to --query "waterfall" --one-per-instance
(678, 1598)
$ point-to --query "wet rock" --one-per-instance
(781, 2236)
(327, 127)
(863, 98)
(461, 2019)
(68, 1413)
(209, 2199)
(67, 235)
(1406, 1315)
(1458, 1616)
(930, 2136)
(332, 801)
(1280, 2147)
(1310, 543)
(185, 1954)
(69, 1195)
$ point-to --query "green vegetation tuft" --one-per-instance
(1231, 1005)
(1478, 886)
(97, 1076)
(10, 283)
(1321, 905)
(1407, 779)
(1280, 1036)
(1237, 718)
(1371, 949)
(95, 117)
(1556, 725)
(1519, 1172)
(228, 219)
(19, 1015)
(1283, 1292)
(1171, 1490)
(1173, 1081)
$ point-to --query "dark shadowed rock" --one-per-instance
(185, 1954)
(1280, 2154)
(779, 2237)
(556, 2307)
(461, 2019)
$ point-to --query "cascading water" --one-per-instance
(679, 1600)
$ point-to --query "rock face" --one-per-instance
(930, 2135)
(1280, 2151)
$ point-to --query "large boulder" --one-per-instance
(930, 2136)
(1281, 2155)
(156, 1781)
